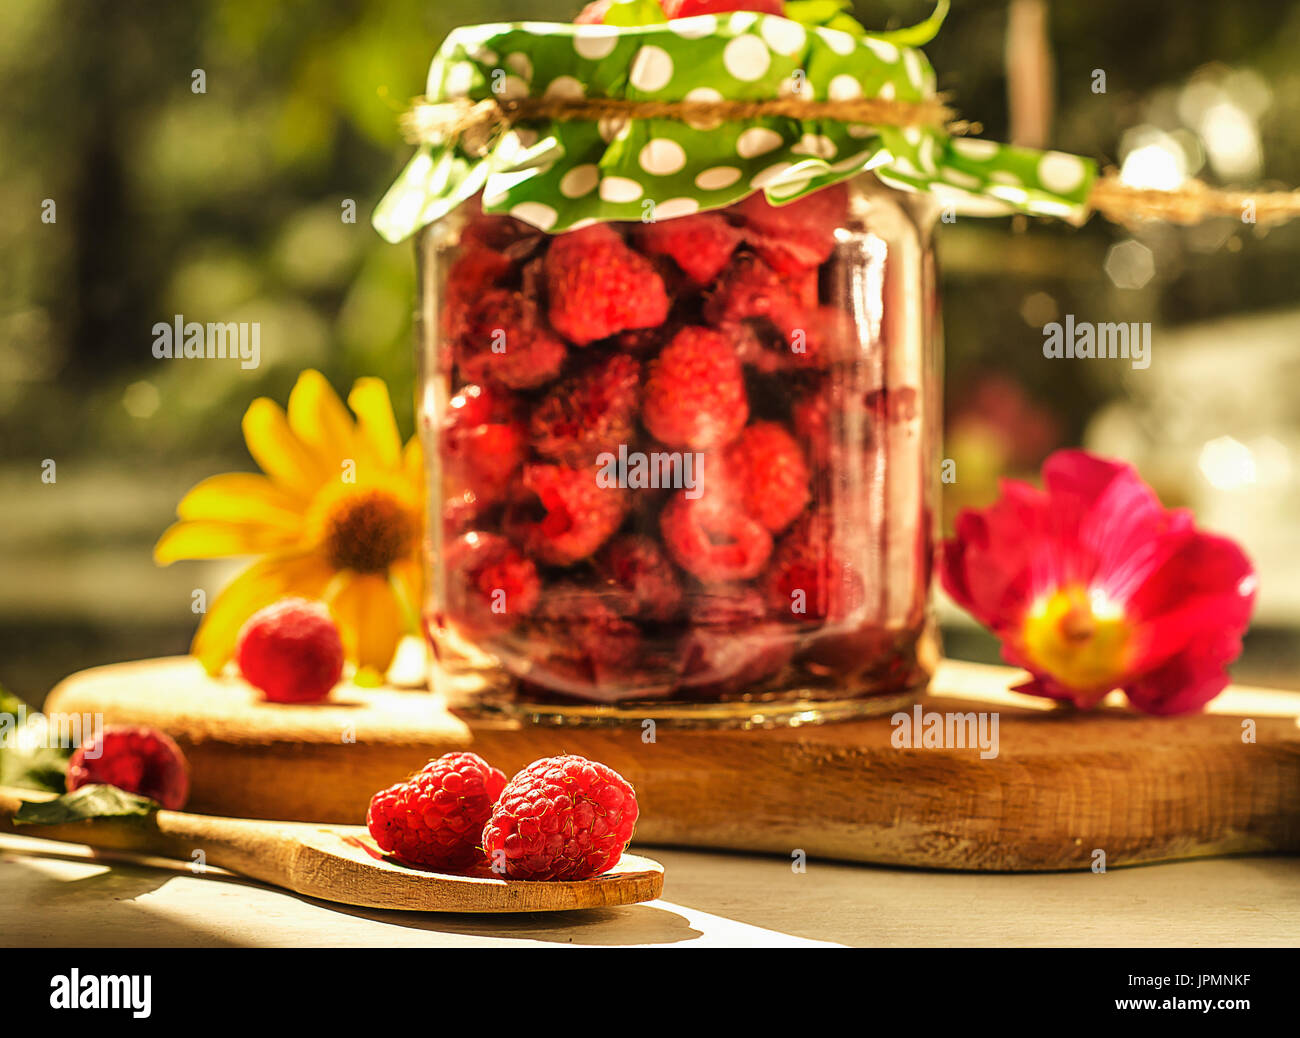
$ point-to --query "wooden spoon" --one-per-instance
(338, 863)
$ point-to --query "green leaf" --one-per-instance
(28, 763)
(87, 802)
(917, 35)
(635, 12)
(830, 14)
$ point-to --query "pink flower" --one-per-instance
(1093, 586)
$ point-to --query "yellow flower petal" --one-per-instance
(264, 582)
(413, 464)
(319, 419)
(215, 539)
(243, 497)
(374, 410)
(279, 453)
(369, 618)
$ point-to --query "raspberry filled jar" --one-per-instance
(682, 468)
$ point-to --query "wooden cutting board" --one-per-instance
(1062, 789)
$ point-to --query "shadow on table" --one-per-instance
(626, 924)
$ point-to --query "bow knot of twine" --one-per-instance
(476, 125)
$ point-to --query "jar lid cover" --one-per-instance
(556, 172)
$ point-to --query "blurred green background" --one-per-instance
(229, 205)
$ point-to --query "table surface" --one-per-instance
(60, 895)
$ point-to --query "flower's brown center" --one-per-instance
(367, 531)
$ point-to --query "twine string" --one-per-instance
(475, 125)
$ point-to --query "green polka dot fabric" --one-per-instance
(559, 175)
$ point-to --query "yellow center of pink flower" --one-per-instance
(1079, 637)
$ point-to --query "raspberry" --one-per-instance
(134, 758)
(637, 565)
(434, 819)
(593, 13)
(808, 580)
(731, 644)
(711, 538)
(499, 233)
(700, 244)
(687, 8)
(766, 472)
(561, 818)
(583, 643)
(291, 650)
(484, 442)
(695, 391)
(811, 414)
(504, 339)
(490, 583)
(589, 413)
(561, 514)
(797, 234)
(751, 293)
(598, 286)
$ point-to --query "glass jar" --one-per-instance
(685, 469)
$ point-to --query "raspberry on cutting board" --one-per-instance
(561, 818)
(135, 758)
(291, 650)
(434, 818)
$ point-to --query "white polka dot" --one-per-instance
(483, 54)
(912, 63)
(675, 207)
(912, 134)
(580, 180)
(902, 164)
(612, 127)
(535, 213)
(1060, 172)
(741, 20)
(620, 189)
(771, 174)
(757, 140)
(566, 87)
(662, 157)
(520, 63)
(717, 177)
(974, 148)
(881, 49)
(695, 27)
(796, 86)
(859, 130)
(747, 58)
(853, 161)
(844, 88)
(783, 36)
(925, 154)
(963, 180)
(839, 42)
(704, 94)
(594, 42)
(459, 79)
(816, 145)
(886, 91)
(652, 69)
(512, 87)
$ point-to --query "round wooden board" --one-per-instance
(1062, 789)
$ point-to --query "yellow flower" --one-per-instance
(337, 516)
